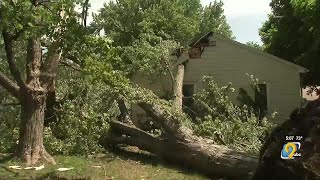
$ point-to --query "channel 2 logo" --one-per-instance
(290, 150)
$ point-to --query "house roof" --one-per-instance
(251, 49)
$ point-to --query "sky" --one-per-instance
(244, 16)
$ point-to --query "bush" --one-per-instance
(226, 123)
(9, 122)
(82, 117)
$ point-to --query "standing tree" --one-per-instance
(33, 34)
(213, 19)
(292, 33)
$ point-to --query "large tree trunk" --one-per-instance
(196, 153)
(30, 148)
(178, 144)
(178, 85)
(32, 91)
(33, 99)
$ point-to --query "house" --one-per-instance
(229, 61)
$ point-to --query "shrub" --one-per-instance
(226, 123)
(82, 118)
(9, 122)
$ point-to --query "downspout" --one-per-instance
(301, 90)
(302, 75)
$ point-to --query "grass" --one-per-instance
(123, 166)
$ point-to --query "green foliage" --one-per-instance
(82, 117)
(151, 55)
(256, 104)
(254, 45)
(125, 20)
(82, 113)
(9, 130)
(225, 122)
(245, 136)
(144, 33)
(121, 85)
(147, 32)
(9, 117)
(214, 20)
(292, 33)
(40, 20)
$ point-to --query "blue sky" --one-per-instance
(244, 16)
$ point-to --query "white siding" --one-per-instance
(229, 62)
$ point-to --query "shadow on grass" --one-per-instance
(5, 157)
(55, 176)
(114, 154)
(151, 159)
(15, 174)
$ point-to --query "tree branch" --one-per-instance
(14, 70)
(85, 12)
(33, 61)
(10, 104)
(70, 65)
(9, 85)
(50, 66)
(169, 70)
(18, 34)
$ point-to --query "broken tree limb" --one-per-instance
(177, 88)
(170, 121)
(124, 112)
(182, 146)
(202, 154)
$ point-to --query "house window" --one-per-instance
(187, 91)
(261, 99)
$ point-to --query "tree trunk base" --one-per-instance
(33, 157)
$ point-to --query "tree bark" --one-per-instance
(52, 104)
(177, 89)
(31, 91)
(124, 113)
(30, 147)
(179, 144)
(200, 154)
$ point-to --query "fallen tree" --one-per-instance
(197, 153)
(178, 144)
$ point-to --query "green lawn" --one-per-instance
(110, 166)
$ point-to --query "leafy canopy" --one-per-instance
(146, 32)
(292, 32)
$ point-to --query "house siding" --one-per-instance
(227, 62)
